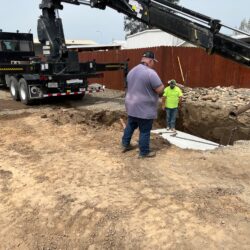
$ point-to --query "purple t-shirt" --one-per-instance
(141, 100)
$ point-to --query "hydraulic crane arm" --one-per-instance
(186, 24)
(51, 35)
(50, 29)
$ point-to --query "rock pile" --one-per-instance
(205, 112)
(220, 95)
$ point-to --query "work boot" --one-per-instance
(149, 155)
(126, 148)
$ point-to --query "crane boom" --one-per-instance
(191, 26)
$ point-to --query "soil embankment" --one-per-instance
(205, 113)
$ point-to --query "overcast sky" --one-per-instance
(83, 22)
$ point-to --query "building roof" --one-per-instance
(73, 42)
(242, 37)
(94, 47)
(153, 38)
(145, 31)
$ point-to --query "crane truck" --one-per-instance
(60, 72)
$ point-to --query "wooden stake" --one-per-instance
(183, 79)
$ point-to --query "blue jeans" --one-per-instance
(171, 117)
(145, 126)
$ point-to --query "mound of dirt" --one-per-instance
(88, 117)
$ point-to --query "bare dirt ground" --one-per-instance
(66, 185)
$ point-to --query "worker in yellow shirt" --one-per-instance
(171, 100)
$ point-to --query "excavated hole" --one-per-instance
(206, 121)
(211, 123)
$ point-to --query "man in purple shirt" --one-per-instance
(143, 89)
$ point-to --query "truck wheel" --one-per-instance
(14, 91)
(23, 92)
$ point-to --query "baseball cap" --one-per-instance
(150, 54)
(172, 82)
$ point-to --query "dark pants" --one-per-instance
(171, 117)
(145, 126)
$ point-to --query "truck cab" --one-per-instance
(16, 47)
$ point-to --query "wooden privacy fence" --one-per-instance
(192, 67)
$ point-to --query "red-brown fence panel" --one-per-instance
(198, 68)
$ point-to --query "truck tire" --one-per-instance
(14, 90)
(24, 92)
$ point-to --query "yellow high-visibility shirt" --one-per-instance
(172, 96)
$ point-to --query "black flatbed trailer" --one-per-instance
(30, 78)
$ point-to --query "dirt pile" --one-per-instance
(88, 117)
(205, 112)
(98, 120)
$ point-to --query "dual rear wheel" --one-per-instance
(23, 91)
(19, 90)
(14, 90)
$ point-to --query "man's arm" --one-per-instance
(163, 102)
(156, 82)
(160, 89)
